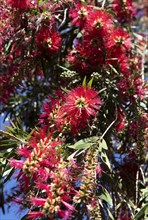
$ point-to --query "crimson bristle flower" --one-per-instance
(81, 103)
(121, 121)
(79, 15)
(42, 164)
(99, 20)
(119, 37)
(34, 215)
(117, 57)
(51, 112)
(48, 40)
(124, 10)
(18, 4)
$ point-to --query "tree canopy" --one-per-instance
(72, 85)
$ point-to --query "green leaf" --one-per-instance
(79, 35)
(84, 82)
(102, 145)
(5, 144)
(143, 211)
(110, 215)
(106, 197)
(84, 143)
(9, 174)
(90, 83)
(2, 155)
(8, 46)
(80, 146)
(105, 159)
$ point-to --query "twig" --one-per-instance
(64, 19)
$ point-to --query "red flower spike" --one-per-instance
(34, 215)
(99, 21)
(48, 40)
(79, 15)
(119, 37)
(38, 201)
(98, 170)
(16, 163)
(80, 104)
(19, 4)
(124, 10)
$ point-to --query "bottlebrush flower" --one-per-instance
(98, 170)
(78, 59)
(89, 53)
(34, 215)
(124, 10)
(79, 15)
(51, 113)
(119, 37)
(120, 124)
(138, 84)
(99, 21)
(18, 4)
(16, 163)
(81, 103)
(117, 57)
(48, 40)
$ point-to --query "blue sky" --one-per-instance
(11, 213)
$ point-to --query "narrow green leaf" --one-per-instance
(8, 45)
(102, 145)
(2, 155)
(105, 159)
(80, 146)
(84, 143)
(142, 212)
(8, 174)
(110, 215)
(7, 144)
(84, 82)
(90, 83)
(106, 197)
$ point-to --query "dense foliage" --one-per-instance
(72, 85)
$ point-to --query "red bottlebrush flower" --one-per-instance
(23, 151)
(119, 37)
(16, 163)
(38, 201)
(81, 103)
(139, 87)
(51, 112)
(48, 41)
(79, 15)
(99, 21)
(78, 59)
(98, 170)
(34, 215)
(117, 58)
(124, 10)
(68, 206)
(18, 4)
(64, 214)
(120, 124)
(88, 54)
